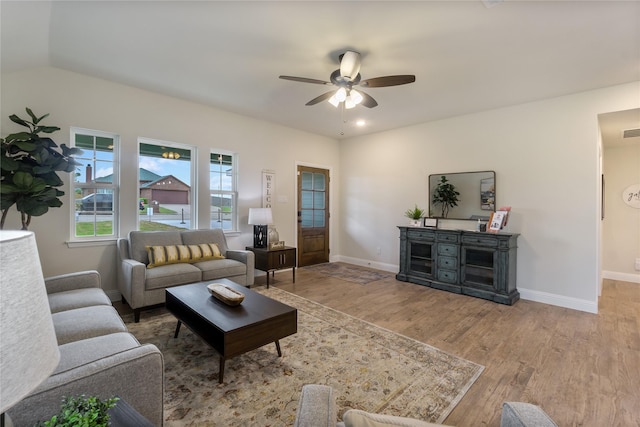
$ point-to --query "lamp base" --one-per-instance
(259, 236)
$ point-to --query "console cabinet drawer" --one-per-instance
(446, 249)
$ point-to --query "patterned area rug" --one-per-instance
(349, 272)
(370, 368)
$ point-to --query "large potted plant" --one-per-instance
(446, 195)
(30, 166)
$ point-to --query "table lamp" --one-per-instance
(28, 345)
(260, 218)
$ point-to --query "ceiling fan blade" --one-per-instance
(367, 100)
(388, 81)
(320, 98)
(305, 80)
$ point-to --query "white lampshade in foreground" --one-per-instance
(28, 345)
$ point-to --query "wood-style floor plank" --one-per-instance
(582, 368)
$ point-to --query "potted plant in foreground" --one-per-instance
(82, 411)
(415, 216)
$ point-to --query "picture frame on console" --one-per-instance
(430, 222)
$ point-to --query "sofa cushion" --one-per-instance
(77, 298)
(521, 414)
(219, 268)
(139, 240)
(170, 275)
(89, 350)
(358, 418)
(86, 322)
(172, 254)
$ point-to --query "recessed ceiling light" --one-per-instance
(360, 123)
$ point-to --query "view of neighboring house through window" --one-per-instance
(222, 184)
(166, 194)
(95, 184)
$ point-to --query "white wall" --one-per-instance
(621, 225)
(77, 100)
(545, 155)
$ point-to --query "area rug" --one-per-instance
(369, 367)
(349, 272)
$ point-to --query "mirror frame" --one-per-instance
(472, 212)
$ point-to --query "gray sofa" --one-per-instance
(317, 408)
(98, 356)
(142, 286)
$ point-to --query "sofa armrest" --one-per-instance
(520, 414)
(135, 375)
(131, 282)
(247, 258)
(71, 281)
(316, 407)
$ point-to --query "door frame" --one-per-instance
(331, 202)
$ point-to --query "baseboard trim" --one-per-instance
(559, 300)
(624, 277)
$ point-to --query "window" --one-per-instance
(222, 184)
(95, 184)
(167, 190)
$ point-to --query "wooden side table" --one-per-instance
(275, 259)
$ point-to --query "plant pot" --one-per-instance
(415, 223)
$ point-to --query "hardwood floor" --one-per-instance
(583, 369)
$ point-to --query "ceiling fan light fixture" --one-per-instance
(334, 101)
(171, 155)
(348, 103)
(350, 65)
(341, 94)
(356, 96)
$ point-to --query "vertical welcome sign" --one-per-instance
(268, 187)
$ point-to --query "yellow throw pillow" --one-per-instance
(172, 254)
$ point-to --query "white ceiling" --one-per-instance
(467, 57)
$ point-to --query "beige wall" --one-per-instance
(545, 155)
(81, 101)
(621, 226)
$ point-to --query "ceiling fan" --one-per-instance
(346, 78)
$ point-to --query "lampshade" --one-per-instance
(260, 216)
(28, 345)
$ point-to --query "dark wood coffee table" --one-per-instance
(231, 331)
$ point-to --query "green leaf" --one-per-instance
(47, 129)
(33, 116)
(18, 120)
(22, 180)
(8, 164)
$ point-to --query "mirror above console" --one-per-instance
(476, 198)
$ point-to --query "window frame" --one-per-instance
(233, 192)
(193, 174)
(98, 187)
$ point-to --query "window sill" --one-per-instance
(94, 242)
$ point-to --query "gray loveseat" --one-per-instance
(317, 408)
(142, 286)
(98, 356)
